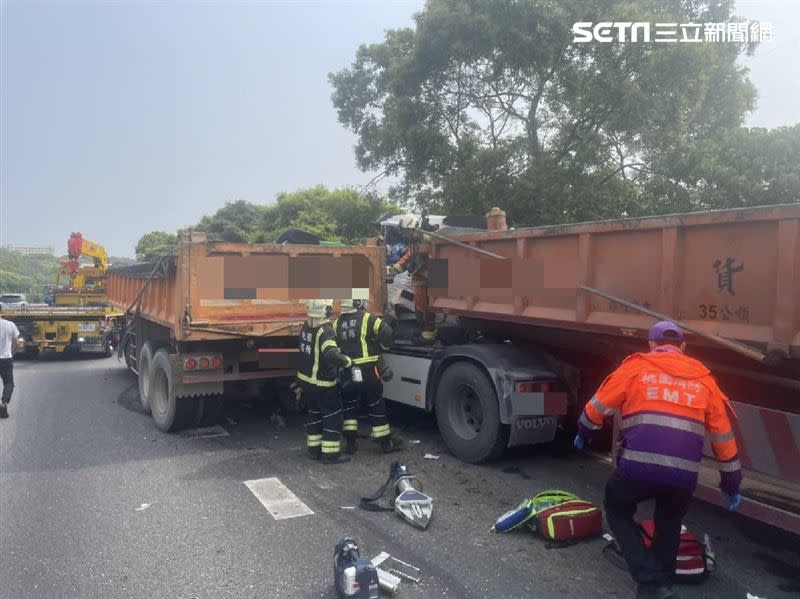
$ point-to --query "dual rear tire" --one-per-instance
(157, 394)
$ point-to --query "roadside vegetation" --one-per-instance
(28, 274)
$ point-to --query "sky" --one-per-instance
(119, 118)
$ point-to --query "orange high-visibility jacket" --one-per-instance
(668, 403)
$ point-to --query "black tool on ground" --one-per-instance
(409, 501)
(355, 577)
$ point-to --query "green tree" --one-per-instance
(28, 274)
(235, 222)
(491, 102)
(155, 244)
(747, 167)
(339, 215)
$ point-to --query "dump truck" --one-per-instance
(218, 319)
(529, 322)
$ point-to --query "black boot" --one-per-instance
(335, 458)
(350, 444)
(390, 444)
(3, 410)
(314, 453)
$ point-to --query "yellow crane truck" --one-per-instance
(79, 318)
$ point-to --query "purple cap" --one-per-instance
(665, 331)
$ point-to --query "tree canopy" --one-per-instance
(29, 273)
(154, 244)
(490, 102)
(344, 215)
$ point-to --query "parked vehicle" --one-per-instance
(13, 301)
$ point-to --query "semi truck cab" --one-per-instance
(486, 396)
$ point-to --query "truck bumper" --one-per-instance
(535, 417)
(539, 404)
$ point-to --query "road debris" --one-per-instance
(430, 456)
(142, 507)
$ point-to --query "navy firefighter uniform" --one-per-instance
(319, 364)
(363, 337)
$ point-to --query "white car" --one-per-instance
(13, 301)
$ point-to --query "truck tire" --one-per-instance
(144, 363)
(468, 414)
(170, 413)
(129, 353)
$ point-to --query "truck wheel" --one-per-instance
(468, 414)
(144, 364)
(129, 352)
(170, 412)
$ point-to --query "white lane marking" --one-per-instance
(276, 497)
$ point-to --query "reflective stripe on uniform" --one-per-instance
(367, 360)
(584, 420)
(377, 326)
(314, 440)
(331, 446)
(595, 401)
(315, 382)
(364, 324)
(660, 460)
(722, 437)
(731, 466)
(315, 367)
(665, 420)
(381, 431)
(350, 425)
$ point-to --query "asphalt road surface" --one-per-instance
(95, 502)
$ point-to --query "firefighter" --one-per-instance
(362, 337)
(668, 402)
(319, 365)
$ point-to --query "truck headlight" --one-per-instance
(81, 339)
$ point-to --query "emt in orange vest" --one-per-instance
(668, 402)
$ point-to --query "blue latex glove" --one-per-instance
(579, 443)
(734, 501)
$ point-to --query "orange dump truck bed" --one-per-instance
(217, 290)
(735, 273)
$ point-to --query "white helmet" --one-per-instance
(351, 305)
(318, 308)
